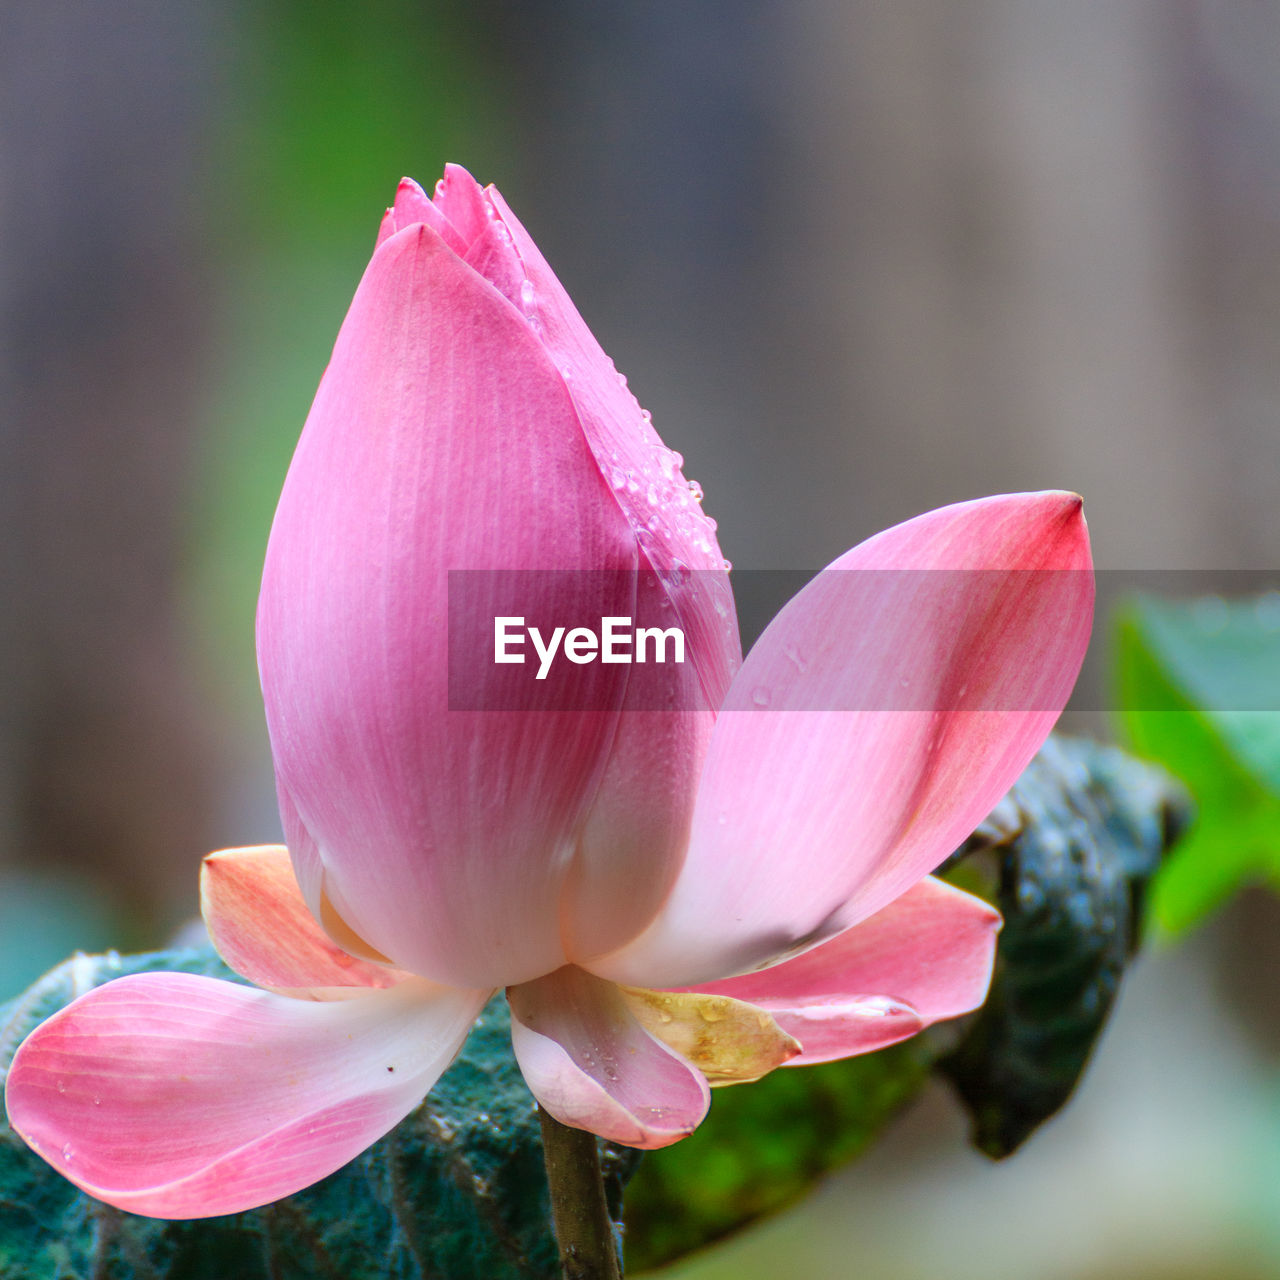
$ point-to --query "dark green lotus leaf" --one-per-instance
(457, 1191)
(1077, 841)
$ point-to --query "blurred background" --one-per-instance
(858, 257)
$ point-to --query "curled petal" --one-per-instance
(926, 956)
(879, 718)
(178, 1096)
(591, 1063)
(728, 1040)
(262, 928)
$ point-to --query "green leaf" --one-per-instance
(761, 1147)
(1077, 840)
(1198, 685)
(456, 1191)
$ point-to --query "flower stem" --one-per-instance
(584, 1229)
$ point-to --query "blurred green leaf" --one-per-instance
(1194, 684)
(1075, 840)
(457, 1190)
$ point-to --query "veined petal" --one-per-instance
(728, 1040)
(262, 928)
(178, 1096)
(662, 506)
(636, 834)
(926, 956)
(879, 718)
(442, 438)
(592, 1065)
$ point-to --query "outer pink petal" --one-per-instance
(593, 1066)
(263, 929)
(927, 955)
(183, 1097)
(631, 849)
(880, 717)
(441, 439)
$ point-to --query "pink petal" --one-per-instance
(592, 1065)
(441, 439)
(412, 206)
(663, 507)
(880, 717)
(178, 1096)
(459, 198)
(927, 955)
(262, 928)
(633, 844)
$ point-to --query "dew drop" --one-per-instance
(876, 1006)
(62, 1086)
(795, 657)
(527, 296)
(761, 696)
(67, 1152)
(696, 490)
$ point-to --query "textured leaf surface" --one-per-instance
(1198, 685)
(1078, 839)
(1075, 841)
(457, 1191)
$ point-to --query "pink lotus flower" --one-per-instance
(671, 897)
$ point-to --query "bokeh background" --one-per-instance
(859, 258)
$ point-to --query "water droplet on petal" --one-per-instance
(876, 1006)
(761, 696)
